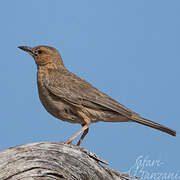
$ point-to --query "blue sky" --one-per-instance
(127, 49)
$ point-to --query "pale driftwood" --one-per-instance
(54, 161)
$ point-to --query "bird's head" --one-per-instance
(44, 55)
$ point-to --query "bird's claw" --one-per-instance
(67, 141)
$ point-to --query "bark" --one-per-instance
(54, 161)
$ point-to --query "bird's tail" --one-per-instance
(152, 124)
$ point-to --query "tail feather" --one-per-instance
(154, 125)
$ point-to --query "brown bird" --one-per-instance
(72, 99)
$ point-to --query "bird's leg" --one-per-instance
(84, 129)
(83, 136)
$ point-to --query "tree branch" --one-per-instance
(54, 161)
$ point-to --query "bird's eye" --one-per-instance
(40, 52)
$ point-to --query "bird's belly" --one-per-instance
(58, 108)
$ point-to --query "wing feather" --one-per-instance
(77, 91)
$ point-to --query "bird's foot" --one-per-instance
(69, 141)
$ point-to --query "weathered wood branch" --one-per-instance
(54, 161)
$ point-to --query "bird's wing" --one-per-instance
(75, 90)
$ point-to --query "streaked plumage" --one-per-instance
(72, 99)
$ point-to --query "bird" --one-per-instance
(70, 98)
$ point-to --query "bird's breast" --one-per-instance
(56, 106)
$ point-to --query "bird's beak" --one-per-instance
(27, 49)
